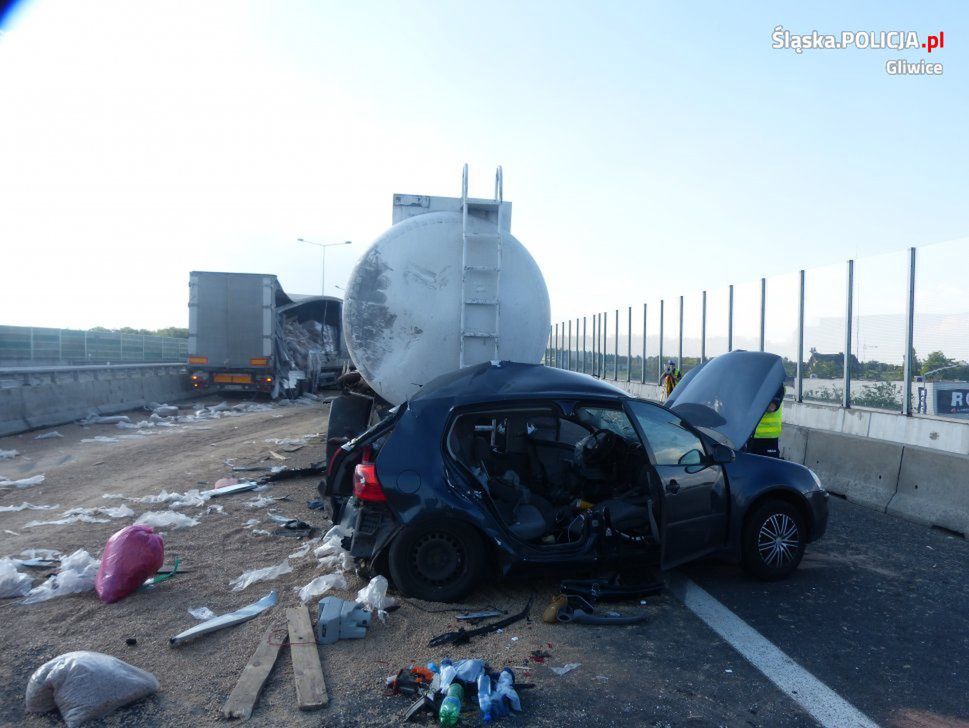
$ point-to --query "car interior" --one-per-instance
(549, 475)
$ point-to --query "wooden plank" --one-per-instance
(310, 686)
(244, 695)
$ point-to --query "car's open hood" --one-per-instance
(729, 393)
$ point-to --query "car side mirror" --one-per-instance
(723, 455)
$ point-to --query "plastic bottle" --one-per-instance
(505, 690)
(450, 712)
(484, 696)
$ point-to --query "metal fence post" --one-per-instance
(60, 345)
(605, 343)
(556, 349)
(576, 364)
(548, 346)
(659, 366)
(846, 396)
(595, 339)
(85, 345)
(763, 309)
(583, 344)
(568, 355)
(615, 352)
(31, 343)
(730, 320)
(679, 351)
(909, 336)
(799, 384)
(642, 374)
(703, 329)
(629, 348)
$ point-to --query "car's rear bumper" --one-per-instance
(373, 526)
(818, 503)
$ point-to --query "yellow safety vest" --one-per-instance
(769, 427)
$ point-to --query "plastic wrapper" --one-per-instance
(320, 585)
(201, 613)
(77, 574)
(166, 519)
(165, 410)
(131, 556)
(23, 482)
(67, 520)
(8, 454)
(267, 573)
(86, 685)
(27, 507)
(12, 582)
(49, 435)
(374, 597)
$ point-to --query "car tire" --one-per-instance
(773, 540)
(439, 561)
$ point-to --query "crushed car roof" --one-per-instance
(512, 380)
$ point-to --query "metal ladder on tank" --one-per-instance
(474, 243)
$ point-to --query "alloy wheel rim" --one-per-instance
(777, 540)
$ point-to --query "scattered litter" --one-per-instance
(230, 489)
(201, 613)
(12, 533)
(49, 435)
(189, 499)
(95, 419)
(260, 501)
(303, 550)
(215, 509)
(166, 519)
(67, 520)
(12, 582)
(41, 554)
(331, 553)
(8, 454)
(463, 636)
(484, 614)
(286, 441)
(130, 557)
(23, 482)
(27, 506)
(260, 532)
(226, 620)
(315, 505)
(321, 585)
(267, 573)
(86, 685)
(251, 522)
(220, 407)
(566, 668)
(165, 410)
(77, 574)
(100, 438)
(338, 619)
(121, 511)
(374, 597)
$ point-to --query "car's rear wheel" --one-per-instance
(773, 540)
(439, 561)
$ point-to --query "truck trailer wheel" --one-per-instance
(773, 540)
(349, 416)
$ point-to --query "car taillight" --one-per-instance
(366, 487)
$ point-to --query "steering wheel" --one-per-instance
(600, 447)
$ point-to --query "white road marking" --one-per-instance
(824, 704)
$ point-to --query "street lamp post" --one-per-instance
(322, 246)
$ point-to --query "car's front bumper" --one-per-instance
(818, 503)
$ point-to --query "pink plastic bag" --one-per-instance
(132, 555)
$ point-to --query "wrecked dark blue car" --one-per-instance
(502, 466)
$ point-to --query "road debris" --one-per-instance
(53, 434)
(267, 573)
(320, 585)
(130, 557)
(12, 582)
(238, 487)
(166, 519)
(25, 506)
(77, 574)
(374, 597)
(96, 419)
(23, 482)
(226, 620)
(201, 613)
(100, 438)
(244, 695)
(8, 454)
(86, 685)
(566, 668)
(339, 619)
(463, 636)
(307, 671)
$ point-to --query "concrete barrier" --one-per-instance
(861, 469)
(793, 443)
(933, 489)
(42, 397)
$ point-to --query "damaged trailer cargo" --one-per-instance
(247, 334)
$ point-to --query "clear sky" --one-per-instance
(649, 148)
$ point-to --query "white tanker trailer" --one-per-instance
(446, 286)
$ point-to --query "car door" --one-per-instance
(693, 515)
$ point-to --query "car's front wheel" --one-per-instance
(439, 561)
(774, 537)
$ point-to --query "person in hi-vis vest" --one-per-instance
(768, 433)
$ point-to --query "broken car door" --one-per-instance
(693, 509)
